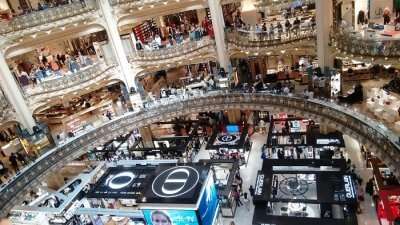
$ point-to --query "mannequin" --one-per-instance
(396, 7)
(386, 16)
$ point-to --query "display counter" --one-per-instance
(384, 105)
(304, 193)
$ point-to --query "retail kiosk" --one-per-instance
(133, 193)
(306, 193)
(298, 138)
(230, 143)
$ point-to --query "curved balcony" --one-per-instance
(248, 40)
(70, 83)
(187, 51)
(347, 41)
(47, 16)
(372, 134)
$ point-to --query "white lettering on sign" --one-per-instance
(174, 182)
(111, 181)
(348, 186)
(259, 184)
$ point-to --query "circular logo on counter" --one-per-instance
(120, 180)
(227, 138)
(175, 182)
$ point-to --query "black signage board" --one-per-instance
(261, 188)
(123, 183)
(176, 184)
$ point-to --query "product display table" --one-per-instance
(383, 105)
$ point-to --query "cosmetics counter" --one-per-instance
(130, 193)
(317, 192)
(230, 143)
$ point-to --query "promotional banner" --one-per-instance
(208, 207)
(122, 182)
(170, 217)
(180, 184)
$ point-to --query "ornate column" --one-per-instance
(14, 95)
(111, 24)
(218, 22)
(324, 19)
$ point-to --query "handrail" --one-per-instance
(246, 38)
(86, 74)
(173, 51)
(351, 42)
(372, 132)
(47, 16)
(138, 2)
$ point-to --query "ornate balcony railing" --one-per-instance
(72, 80)
(352, 43)
(252, 39)
(372, 134)
(136, 2)
(178, 50)
(48, 16)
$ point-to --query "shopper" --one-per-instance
(236, 195)
(369, 187)
(21, 158)
(251, 191)
(14, 162)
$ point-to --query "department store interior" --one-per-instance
(201, 112)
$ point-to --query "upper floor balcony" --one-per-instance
(367, 43)
(179, 53)
(59, 85)
(250, 39)
(45, 16)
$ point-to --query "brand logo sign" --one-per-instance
(348, 186)
(259, 184)
(120, 180)
(175, 182)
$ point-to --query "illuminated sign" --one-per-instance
(349, 187)
(120, 180)
(259, 184)
(175, 182)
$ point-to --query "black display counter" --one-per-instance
(304, 192)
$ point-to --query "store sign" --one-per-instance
(175, 182)
(349, 187)
(120, 180)
(259, 184)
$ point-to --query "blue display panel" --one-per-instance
(232, 129)
(209, 203)
(170, 217)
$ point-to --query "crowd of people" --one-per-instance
(41, 5)
(51, 66)
(174, 34)
(15, 162)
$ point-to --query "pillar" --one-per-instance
(147, 136)
(14, 95)
(116, 43)
(324, 19)
(218, 22)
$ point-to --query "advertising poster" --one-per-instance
(170, 217)
(208, 207)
